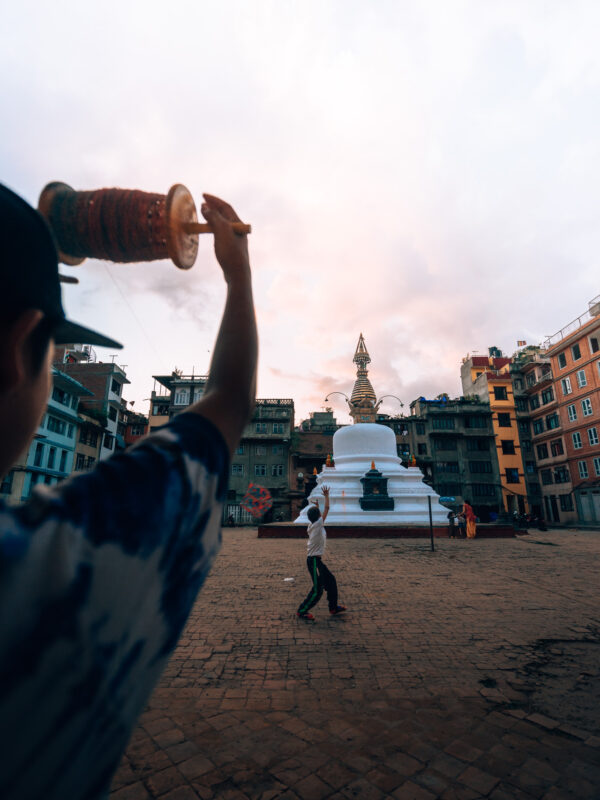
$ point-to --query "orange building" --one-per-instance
(489, 378)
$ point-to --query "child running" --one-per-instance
(321, 577)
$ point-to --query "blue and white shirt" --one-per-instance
(97, 578)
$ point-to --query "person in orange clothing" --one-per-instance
(471, 520)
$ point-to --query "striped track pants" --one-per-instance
(321, 578)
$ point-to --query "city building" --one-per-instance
(489, 378)
(105, 382)
(174, 394)
(541, 435)
(453, 442)
(89, 441)
(263, 458)
(310, 444)
(574, 360)
(50, 456)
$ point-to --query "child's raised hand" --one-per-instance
(325, 490)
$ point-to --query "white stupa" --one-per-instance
(355, 449)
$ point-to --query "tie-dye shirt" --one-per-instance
(97, 578)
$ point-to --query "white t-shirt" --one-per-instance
(317, 538)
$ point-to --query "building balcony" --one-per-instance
(535, 385)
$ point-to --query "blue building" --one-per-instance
(51, 453)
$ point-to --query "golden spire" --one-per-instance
(362, 385)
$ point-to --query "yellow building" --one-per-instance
(489, 378)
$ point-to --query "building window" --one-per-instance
(115, 387)
(61, 397)
(484, 489)
(442, 423)
(547, 396)
(572, 412)
(277, 449)
(182, 397)
(278, 427)
(70, 431)
(597, 465)
(260, 427)
(594, 346)
(517, 383)
(542, 451)
(112, 413)
(530, 467)
(56, 425)
(445, 444)
(480, 445)
(260, 450)
(480, 467)
(566, 385)
(552, 421)
(51, 457)
(583, 470)
(504, 420)
(556, 447)
(237, 469)
(500, 393)
(521, 404)
(546, 476)
(566, 502)
(277, 470)
(534, 402)
(39, 452)
(527, 446)
(581, 379)
(586, 407)
(561, 475)
(240, 450)
(6, 483)
(447, 466)
(260, 470)
(576, 352)
(508, 447)
(577, 443)
(538, 426)
(592, 436)
(562, 360)
(422, 449)
(524, 427)
(475, 421)
(421, 427)
(63, 461)
(109, 441)
(449, 489)
(79, 461)
(89, 437)
(512, 475)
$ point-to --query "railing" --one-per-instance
(592, 312)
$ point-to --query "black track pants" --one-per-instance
(321, 578)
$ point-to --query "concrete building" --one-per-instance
(175, 392)
(105, 382)
(453, 442)
(50, 456)
(522, 364)
(89, 440)
(263, 458)
(488, 377)
(573, 354)
(310, 444)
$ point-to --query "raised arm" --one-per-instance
(325, 491)
(231, 388)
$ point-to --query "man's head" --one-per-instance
(31, 318)
(313, 514)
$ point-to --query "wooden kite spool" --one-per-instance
(124, 225)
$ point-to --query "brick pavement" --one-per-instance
(466, 673)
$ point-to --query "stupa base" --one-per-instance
(288, 530)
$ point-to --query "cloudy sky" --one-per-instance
(424, 172)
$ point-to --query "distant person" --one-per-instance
(470, 519)
(321, 577)
(452, 525)
(100, 572)
(230, 521)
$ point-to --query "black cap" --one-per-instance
(29, 271)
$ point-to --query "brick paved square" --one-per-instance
(436, 683)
